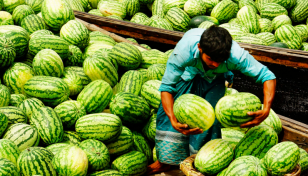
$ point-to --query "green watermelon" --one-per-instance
(33, 23)
(305, 46)
(250, 3)
(142, 145)
(230, 91)
(74, 83)
(140, 18)
(75, 57)
(72, 161)
(235, 21)
(57, 147)
(36, 5)
(14, 114)
(178, 18)
(76, 5)
(5, 18)
(280, 45)
(10, 5)
(30, 105)
(131, 82)
(44, 151)
(154, 155)
(282, 158)
(272, 10)
(132, 163)
(195, 7)
(93, 48)
(224, 11)
(79, 71)
(248, 18)
(231, 110)
(149, 130)
(71, 137)
(168, 4)
(7, 51)
(101, 126)
(93, 3)
(235, 29)
(20, 12)
(8, 168)
(249, 38)
(232, 136)
(303, 161)
(108, 8)
(41, 32)
(245, 166)
(96, 12)
(97, 153)
(122, 144)
(288, 34)
(194, 111)
(299, 12)
(210, 4)
(5, 96)
(9, 150)
(267, 37)
(23, 135)
(144, 73)
(281, 20)
(131, 6)
(146, 46)
(98, 37)
(206, 25)
(302, 30)
(213, 157)
(3, 123)
(50, 90)
(160, 22)
(158, 8)
(265, 25)
(153, 56)
(288, 4)
(107, 172)
(156, 71)
(150, 92)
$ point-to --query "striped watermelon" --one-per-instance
(235, 29)
(20, 12)
(142, 145)
(107, 172)
(55, 148)
(41, 32)
(122, 144)
(195, 7)
(232, 136)
(108, 8)
(281, 20)
(131, 82)
(93, 3)
(288, 4)
(8, 168)
(245, 166)
(84, 3)
(71, 137)
(205, 25)
(23, 135)
(150, 92)
(224, 11)
(250, 3)
(79, 71)
(267, 37)
(95, 96)
(232, 110)
(3, 123)
(96, 12)
(30, 105)
(158, 8)
(34, 161)
(9, 150)
(72, 161)
(230, 91)
(48, 63)
(273, 121)
(99, 67)
(144, 73)
(282, 158)
(131, 6)
(194, 111)
(300, 12)
(103, 52)
(75, 33)
(19, 36)
(101, 126)
(303, 161)
(249, 38)
(74, 83)
(10, 5)
(159, 22)
(178, 18)
(76, 5)
(5, 96)
(272, 10)
(153, 56)
(98, 37)
(93, 48)
(213, 157)
(248, 18)
(14, 114)
(256, 142)
(223, 172)
(56, 13)
(288, 34)
(97, 153)
(48, 125)
(168, 4)
(210, 4)
(302, 30)
(8, 52)
(149, 130)
(127, 55)
(47, 153)
(50, 90)
(16, 76)
(132, 109)
(156, 71)
(132, 163)
(33, 23)
(154, 155)
(36, 5)
(146, 46)
(260, 3)
(5, 18)
(140, 18)
(235, 21)
(59, 45)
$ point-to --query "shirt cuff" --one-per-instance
(167, 88)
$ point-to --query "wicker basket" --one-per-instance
(187, 167)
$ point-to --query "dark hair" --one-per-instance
(216, 42)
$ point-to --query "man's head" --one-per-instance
(215, 45)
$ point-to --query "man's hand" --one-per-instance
(183, 128)
(259, 117)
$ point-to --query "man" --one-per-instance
(200, 64)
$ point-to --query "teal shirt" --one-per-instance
(185, 63)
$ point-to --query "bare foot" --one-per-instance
(157, 167)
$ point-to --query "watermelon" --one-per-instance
(210, 4)
(50, 90)
(16, 99)
(5, 96)
(5, 18)
(41, 32)
(131, 6)
(132, 109)
(127, 55)
(213, 157)
(20, 12)
(9, 150)
(14, 114)
(146, 46)
(156, 71)
(103, 52)
(16, 76)
(108, 8)
(153, 56)
(59, 45)
(260, 3)
(131, 82)
(55, 148)
(97, 153)
(122, 144)
(231, 135)
(178, 18)
(160, 22)
(71, 137)
(256, 142)
(230, 91)
(3, 123)
(142, 145)
(223, 172)
(19, 36)
(281, 20)
(36, 5)
(206, 25)
(250, 3)
(48, 63)
(303, 161)
(158, 8)
(48, 125)
(232, 110)
(144, 73)
(84, 3)
(267, 37)
(72, 161)
(248, 18)
(140, 18)
(249, 38)
(76, 5)
(101, 126)
(74, 83)
(8, 168)
(10, 5)
(288, 34)
(30, 105)
(302, 30)
(305, 46)
(100, 67)
(245, 166)
(288, 4)
(150, 92)
(149, 130)
(96, 12)
(282, 158)
(93, 48)
(299, 12)
(79, 71)
(95, 96)
(7, 51)
(93, 3)
(235, 21)
(235, 29)
(107, 172)
(197, 114)
(33, 23)
(75, 33)
(272, 10)
(280, 45)
(224, 11)
(132, 163)
(34, 161)
(47, 153)
(98, 37)
(195, 7)
(154, 155)
(23, 135)
(56, 13)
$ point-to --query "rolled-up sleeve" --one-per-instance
(248, 65)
